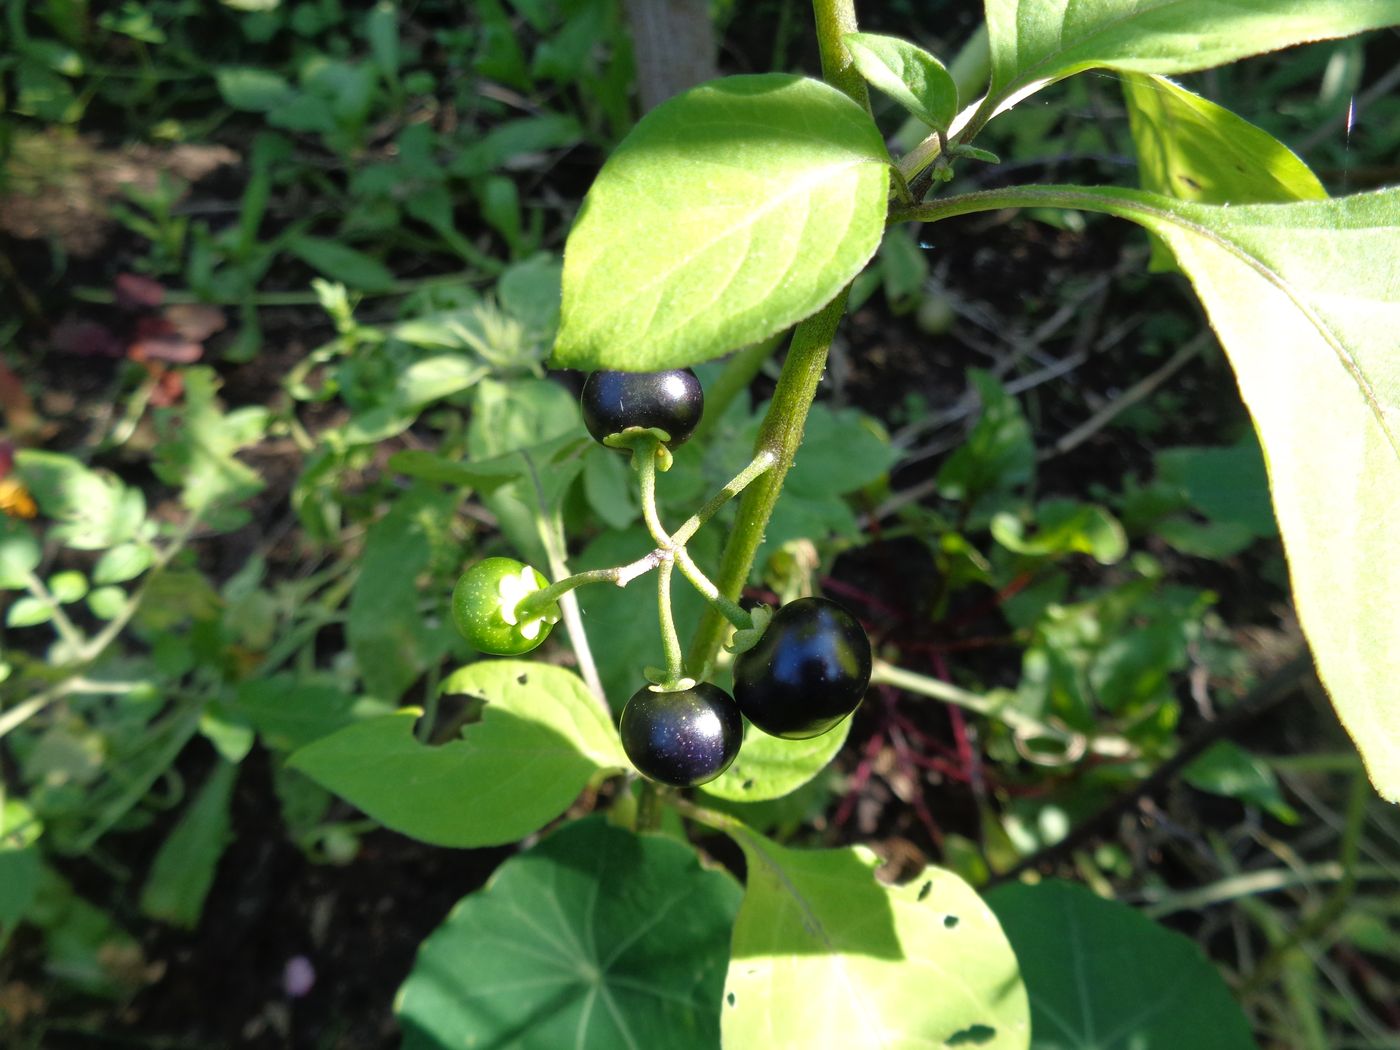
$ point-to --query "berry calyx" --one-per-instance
(485, 607)
(808, 671)
(684, 737)
(669, 403)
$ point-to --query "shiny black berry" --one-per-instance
(682, 738)
(807, 672)
(671, 402)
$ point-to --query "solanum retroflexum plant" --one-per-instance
(745, 207)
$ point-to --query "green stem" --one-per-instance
(644, 458)
(621, 575)
(67, 630)
(731, 611)
(781, 432)
(779, 437)
(836, 18)
(740, 481)
(649, 807)
(670, 640)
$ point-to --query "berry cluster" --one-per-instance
(798, 677)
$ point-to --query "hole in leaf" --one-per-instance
(524, 679)
(729, 998)
(977, 1035)
(925, 889)
(949, 921)
(748, 784)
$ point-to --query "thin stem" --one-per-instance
(536, 601)
(779, 436)
(731, 611)
(551, 533)
(644, 458)
(67, 630)
(649, 807)
(670, 640)
(740, 481)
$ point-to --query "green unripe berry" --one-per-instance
(485, 603)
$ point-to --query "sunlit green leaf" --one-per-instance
(183, 870)
(906, 73)
(540, 739)
(1034, 42)
(826, 955)
(770, 767)
(727, 214)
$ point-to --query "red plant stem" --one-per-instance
(859, 778)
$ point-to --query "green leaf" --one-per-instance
(770, 767)
(541, 738)
(595, 939)
(252, 90)
(728, 213)
(1228, 769)
(1063, 527)
(417, 386)
(829, 956)
(28, 611)
(19, 864)
(290, 711)
(1228, 485)
(842, 450)
(68, 587)
(998, 454)
(1305, 298)
(341, 263)
(122, 563)
(386, 628)
(19, 553)
(1192, 149)
(607, 483)
(1103, 977)
(906, 73)
(93, 511)
(197, 447)
(183, 871)
(1034, 43)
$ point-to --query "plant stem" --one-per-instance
(741, 481)
(536, 601)
(731, 611)
(649, 807)
(670, 640)
(644, 458)
(67, 630)
(779, 436)
(836, 18)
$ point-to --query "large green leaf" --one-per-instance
(596, 939)
(826, 955)
(90, 510)
(540, 739)
(727, 214)
(1103, 977)
(1305, 298)
(1036, 42)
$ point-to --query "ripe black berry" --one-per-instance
(682, 738)
(671, 402)
(807, 672)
